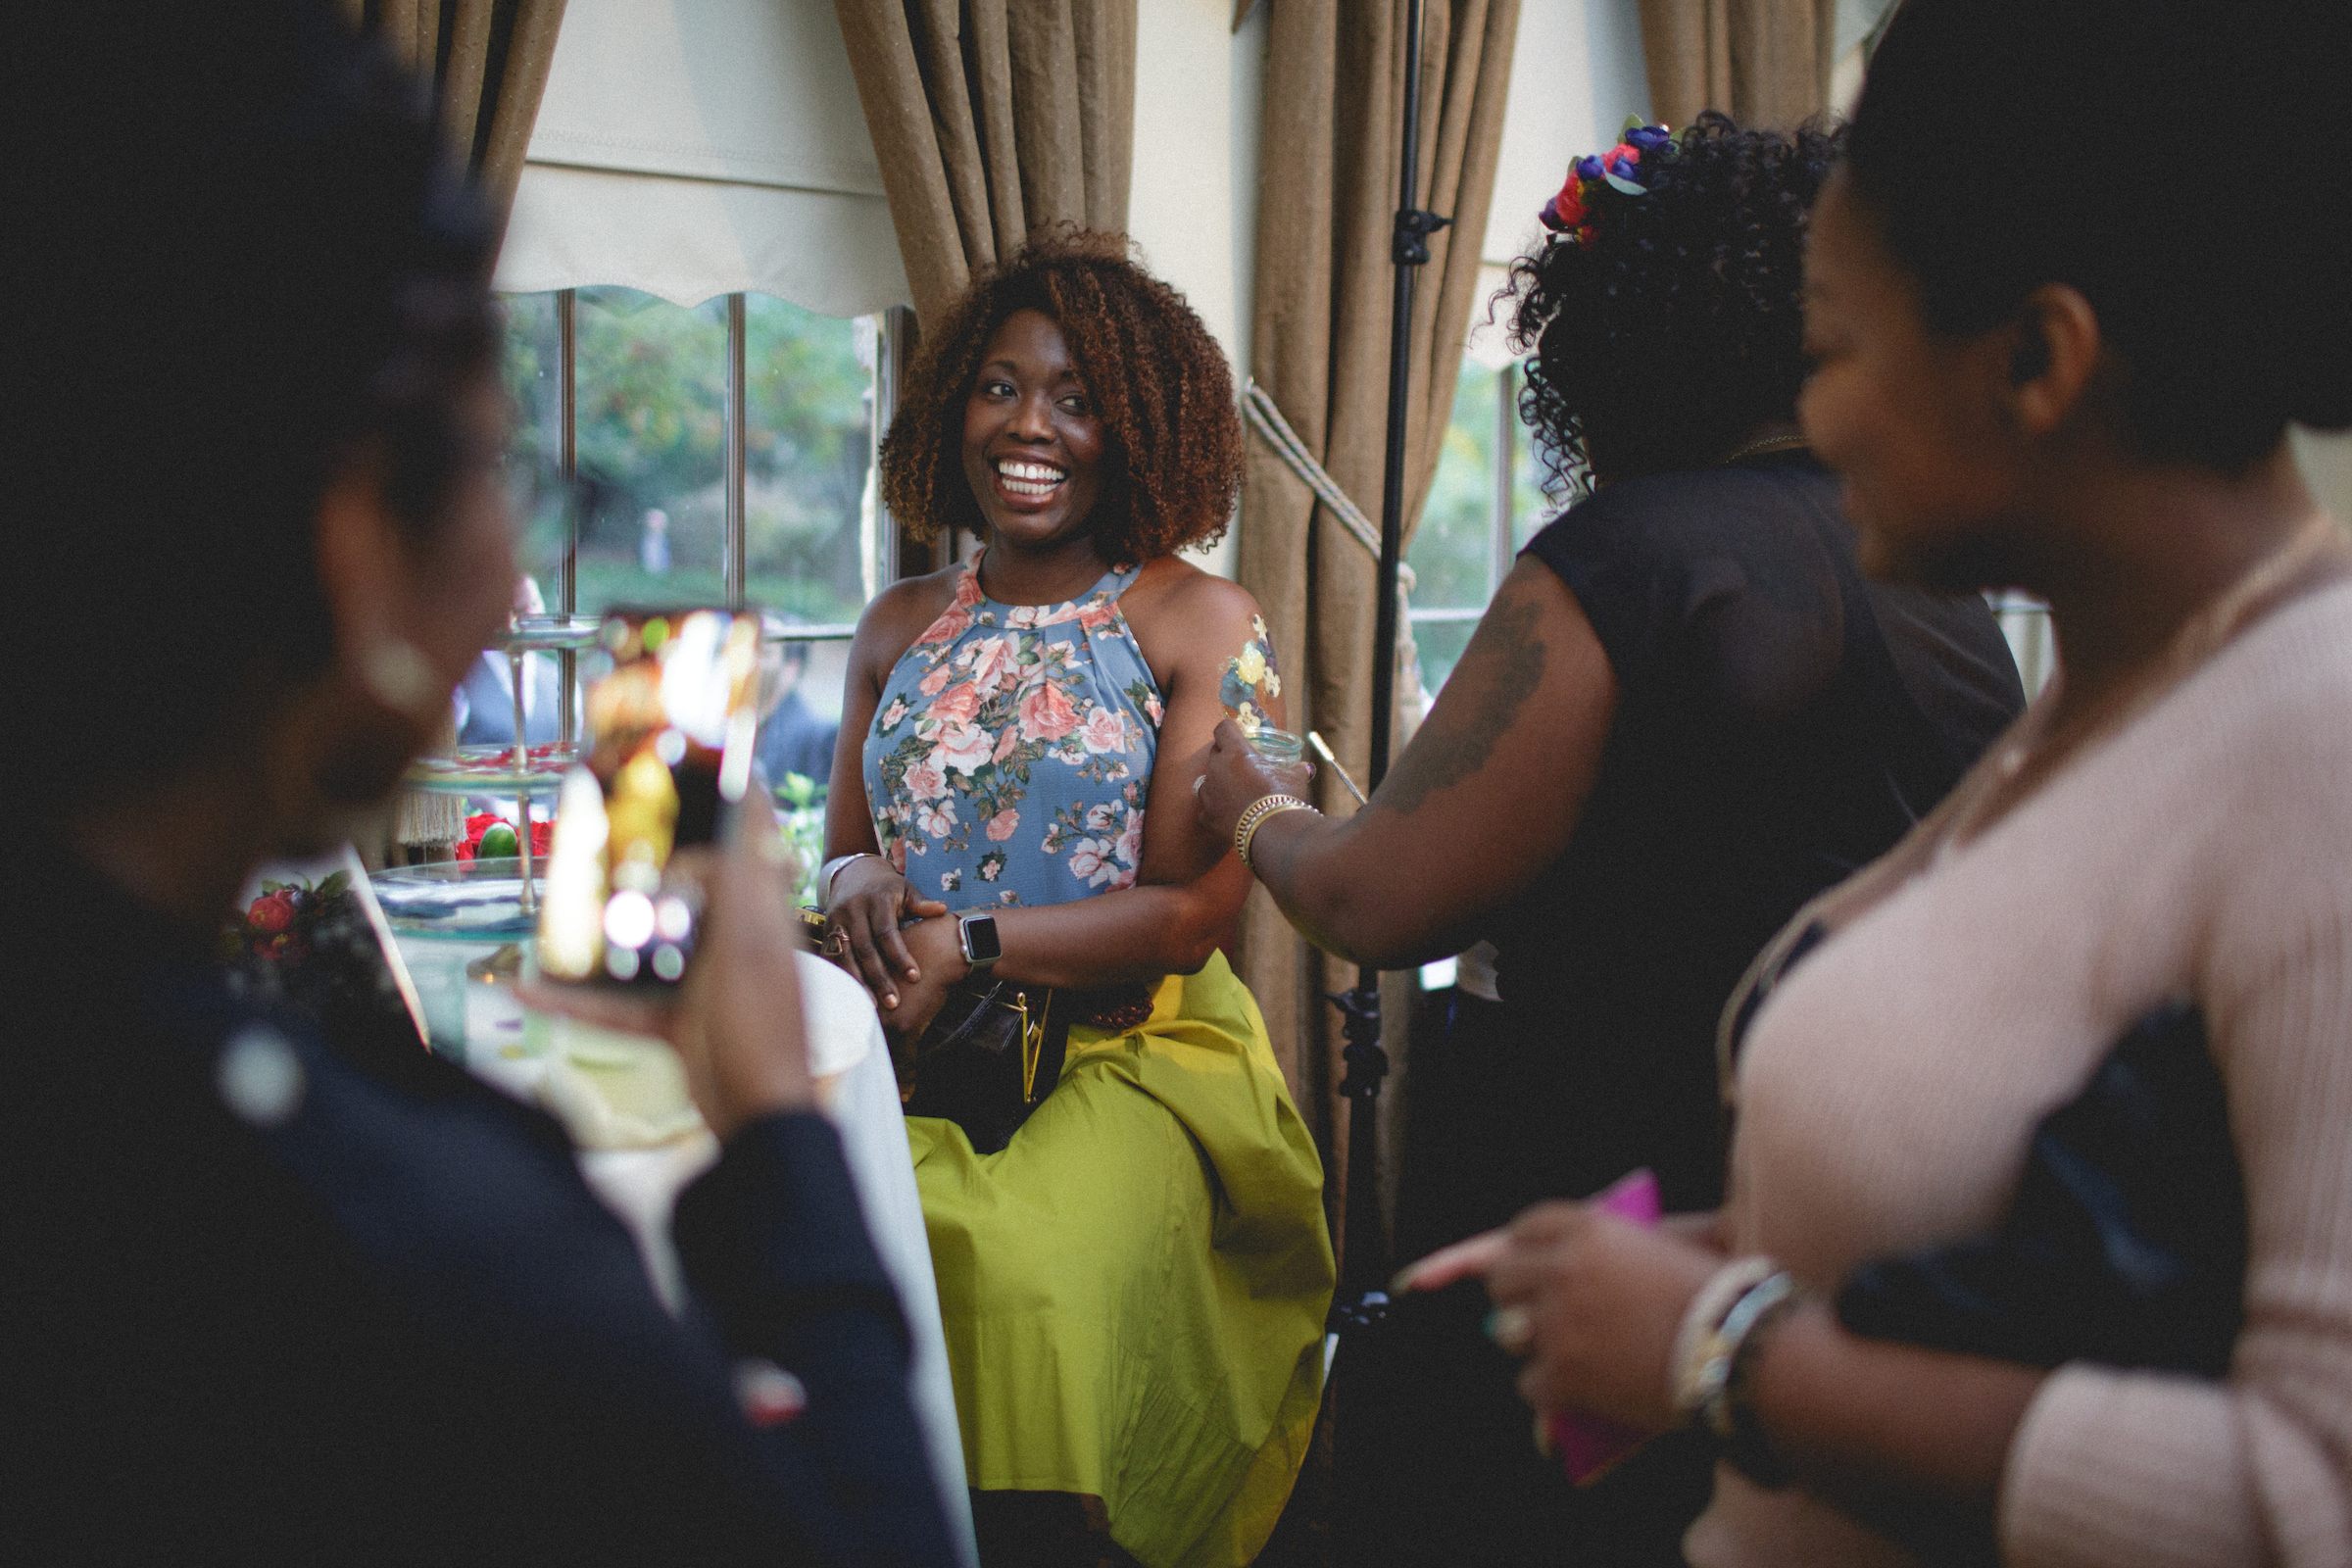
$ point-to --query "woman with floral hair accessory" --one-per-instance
(1134, 1285)
(1684, 714)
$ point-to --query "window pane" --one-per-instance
(535, 434)
(1439, 644)
(653, 439)
(810, 386)
(1452, 552)
(1532, 506)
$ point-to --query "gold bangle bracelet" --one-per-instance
(1267, 805)
(1257, 812)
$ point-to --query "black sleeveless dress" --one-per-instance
(1780, 721)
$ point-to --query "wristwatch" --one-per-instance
(976, 935)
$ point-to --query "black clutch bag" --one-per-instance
(988, 1059)
(2126, 1243)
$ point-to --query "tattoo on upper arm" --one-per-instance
(1505, 658)
(1251, 679)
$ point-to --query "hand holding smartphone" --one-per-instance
(671, 733)
(1586, 1446)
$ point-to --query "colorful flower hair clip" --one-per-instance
(1622, 168)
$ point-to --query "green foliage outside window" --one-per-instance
(1454, 550)
(652, 428)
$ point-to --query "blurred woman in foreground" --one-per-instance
(278, 1297)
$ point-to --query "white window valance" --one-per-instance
(697, 147)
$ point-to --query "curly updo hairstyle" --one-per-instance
(2170, 158)
(1159, 383)
(1677, 327)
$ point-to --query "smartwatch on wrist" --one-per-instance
(976, 935)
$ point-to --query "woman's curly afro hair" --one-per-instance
(1160, 384)
(1678, 328)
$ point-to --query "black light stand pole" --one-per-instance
(1362, 1303)
(1361, 1300)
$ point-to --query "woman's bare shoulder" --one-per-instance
(1173, 598)
(903, 611)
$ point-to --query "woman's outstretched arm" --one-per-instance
(1484, 797)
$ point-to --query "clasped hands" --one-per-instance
(1589, 1301)
(901, 944)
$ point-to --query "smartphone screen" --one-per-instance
(669, 753)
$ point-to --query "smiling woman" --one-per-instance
(1133, 1278)
(1032, 441)
(1178, 459)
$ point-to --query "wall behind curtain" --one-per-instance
(1576, 75)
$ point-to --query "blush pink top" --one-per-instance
(1890, 1086)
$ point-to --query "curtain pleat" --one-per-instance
(993, 119)
(1043, 47)
(513, 102)
(1333, 106)
(461, 78)
(407, 27)
(1765, 63)
(1105, 40)
(488, 61)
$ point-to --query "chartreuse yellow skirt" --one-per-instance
(1134, 1288)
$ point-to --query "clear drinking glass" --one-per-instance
(1278, 746)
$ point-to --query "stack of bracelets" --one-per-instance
(1260, 809)
(1714, 1361)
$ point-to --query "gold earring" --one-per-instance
(398, 676)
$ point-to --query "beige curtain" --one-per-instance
(1762, 62)
(993, 119)
(488, 61)
(1334, 99)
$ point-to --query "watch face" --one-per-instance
(980, 941)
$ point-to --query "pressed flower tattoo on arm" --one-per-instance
(1251, 679)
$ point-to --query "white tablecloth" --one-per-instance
(846, 1051)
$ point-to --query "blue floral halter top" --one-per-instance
(1010, 756)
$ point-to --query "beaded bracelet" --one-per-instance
(1698, 1366)
(1730, 1415)
(1714, 1356)
(1265, 806)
